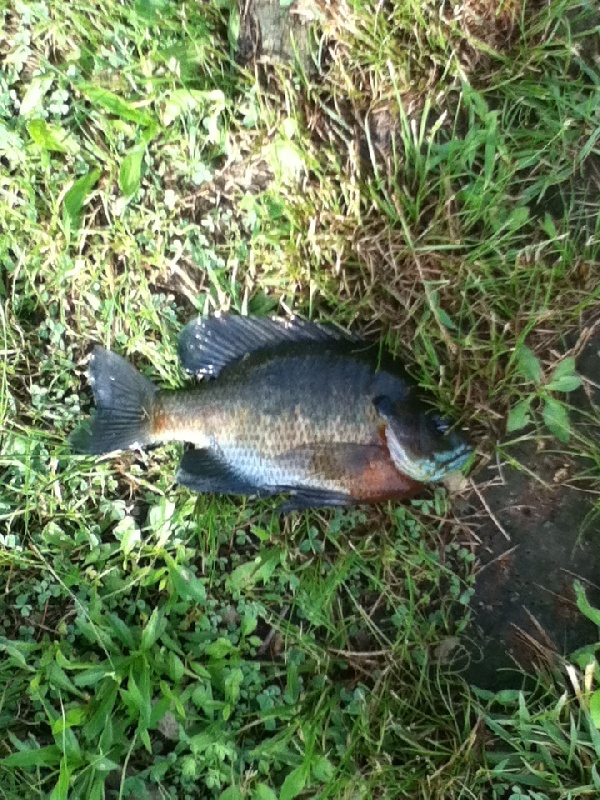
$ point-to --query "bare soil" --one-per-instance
(537, 534)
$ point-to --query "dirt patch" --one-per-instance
(537, 533)
(245, 173)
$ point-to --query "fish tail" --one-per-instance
(124, 407)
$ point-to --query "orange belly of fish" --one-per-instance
(379, 480)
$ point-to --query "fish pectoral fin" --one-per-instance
(203, 471)
(207, 345)
(314, 498)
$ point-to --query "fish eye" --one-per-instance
(442, 425)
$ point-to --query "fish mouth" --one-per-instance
(439, 465)
(433, 468)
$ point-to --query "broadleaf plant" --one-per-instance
(555, 412)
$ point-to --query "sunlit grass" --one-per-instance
(432, 186)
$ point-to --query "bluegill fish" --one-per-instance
(295, 407)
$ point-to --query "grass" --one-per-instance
(431, 181)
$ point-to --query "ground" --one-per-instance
(419, 172)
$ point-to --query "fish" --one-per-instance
(284, 407)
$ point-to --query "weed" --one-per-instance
(547, 745)
(554, 413)
(435, 185)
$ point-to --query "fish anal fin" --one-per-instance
(203, 471)
(315, 498)
(207, 345)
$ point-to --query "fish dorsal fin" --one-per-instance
(208, 344)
